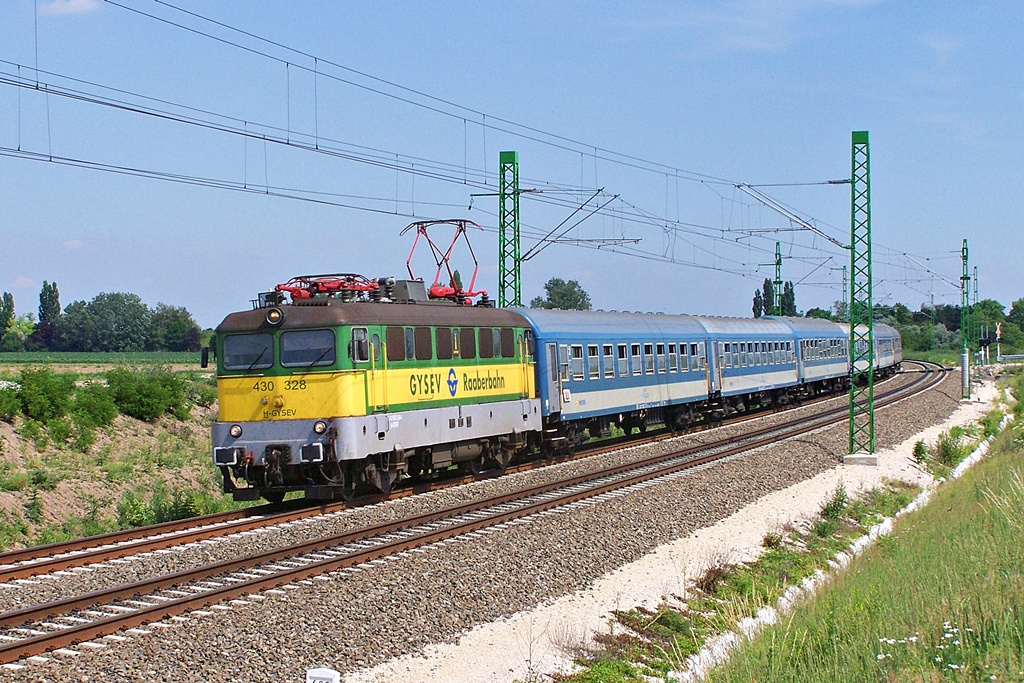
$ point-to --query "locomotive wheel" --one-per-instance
(471, 466)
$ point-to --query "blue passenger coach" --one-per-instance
(597, 368)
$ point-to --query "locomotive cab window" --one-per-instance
(359, 347)
(248, 351)
(312, 348)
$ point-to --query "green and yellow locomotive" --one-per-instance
(356, 383)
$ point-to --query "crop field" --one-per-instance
(93, 359)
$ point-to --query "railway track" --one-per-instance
(23, 564)
(51, 626)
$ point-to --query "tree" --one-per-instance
(172, 329)
(788, 303)
(818, 313)
(768, 296)
(115, 321)
(758, 303)
(17, 332)
(6, 312)
(565, 296)
(49, 317)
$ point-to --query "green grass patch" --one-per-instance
(940, 600)
(654, 643)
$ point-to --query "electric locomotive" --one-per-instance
(357, 382)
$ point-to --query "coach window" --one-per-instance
(467, 339)
(684, 363)
(359, 349)
(563, 361)
(576, 362)
(725, 355)
(747, 355)
(623, 361)
(609, 361)
(593, 362)
(634, 358)
(424, 344)
(648, 359)
(764, 353)
(443, 338)
(248, 351)
(695, 358)
(672, 358)
(660, 355)
(486, 343)
(394, 339)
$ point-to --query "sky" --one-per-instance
(197, 153)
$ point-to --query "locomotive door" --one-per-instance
(378, 376)
(551, 379)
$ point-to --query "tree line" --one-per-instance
(112, 321)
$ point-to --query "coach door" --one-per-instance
(551, 379)
(714, 369)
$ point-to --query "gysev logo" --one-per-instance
(453, 382)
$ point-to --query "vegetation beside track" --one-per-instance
(83, 453)
(939, 599)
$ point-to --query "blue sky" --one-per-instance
(662, 106)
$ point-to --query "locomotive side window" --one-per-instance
(424, 346)
(496, 342)
(576, 363)
(410, 343)
(508, 342)
(486, 343)
(623, 362)
(359, 348)
(593, 362)
(609, 361)
(634, 352)
(248, 351)
(307, 348)
(443, 337)
(394, 338)
(375, 347)
(467, 339)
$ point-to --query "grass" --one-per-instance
(940, 600)
(654, 643)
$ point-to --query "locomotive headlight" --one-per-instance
(320, 427)
(235, 431)
(275, 316)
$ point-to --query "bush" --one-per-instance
(202, 394)
(948, 450)
(132, 512)
(60, 431)
(10, 405)
(93, 406)
(147, 394)
(833, 508)
(920, 452)
(45, 395)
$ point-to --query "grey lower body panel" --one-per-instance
(357, 437)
